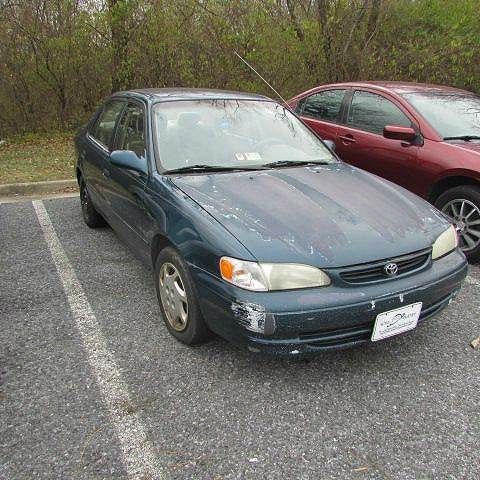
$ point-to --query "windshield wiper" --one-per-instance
(288, 163)
(467, 138)
(211, 168)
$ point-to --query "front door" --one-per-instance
(127, 193)
(360, 140)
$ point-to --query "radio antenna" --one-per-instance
(251, 68)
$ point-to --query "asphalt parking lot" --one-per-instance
(93, 387)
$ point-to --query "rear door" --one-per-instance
(322, 111)
(360, 140)
(96, 165)
(127, 193)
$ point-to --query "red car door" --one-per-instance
(322, 110)
(360, 139)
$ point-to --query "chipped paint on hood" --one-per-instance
(326, 215)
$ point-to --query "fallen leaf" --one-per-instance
(360, 469)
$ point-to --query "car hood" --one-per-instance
(327, 215)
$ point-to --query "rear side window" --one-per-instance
(371, 112)
(131, 131)
(105, 124)
(324, 105)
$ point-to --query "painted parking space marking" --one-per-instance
(138, 455)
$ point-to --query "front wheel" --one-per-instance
(178, 299)
(462, 205)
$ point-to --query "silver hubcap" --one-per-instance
(466, 216)
(173, 296)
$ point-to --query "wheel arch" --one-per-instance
(159, 242)
(448, 182)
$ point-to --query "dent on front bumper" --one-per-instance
(312, 320)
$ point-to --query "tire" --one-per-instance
(172, 280)
(462, 204)
(89, 213)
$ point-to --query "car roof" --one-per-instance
(401, 87)
(169, 94)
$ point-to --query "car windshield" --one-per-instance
(451, 114)
(232, 134)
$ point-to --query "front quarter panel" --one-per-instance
(200, 239)
(440, 160)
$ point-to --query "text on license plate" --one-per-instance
(396, 321)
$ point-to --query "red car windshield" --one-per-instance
(452, 115)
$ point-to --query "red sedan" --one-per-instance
(423, 137)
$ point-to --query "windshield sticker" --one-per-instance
(248, 156)
(253, 156)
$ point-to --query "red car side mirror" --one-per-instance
(396, 132)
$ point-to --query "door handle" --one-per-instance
(347, 138)
(106, 173)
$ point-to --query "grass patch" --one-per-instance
(33, 158)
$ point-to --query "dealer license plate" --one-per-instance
(396, 321)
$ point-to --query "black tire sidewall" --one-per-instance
(467, 192)
(89, 213)
(197, 331)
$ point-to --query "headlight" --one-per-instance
(445, 243)
(285, 276)
(262, 277)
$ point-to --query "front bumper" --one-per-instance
(312, 320)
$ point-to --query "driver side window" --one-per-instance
(371, 112)
(131, 130)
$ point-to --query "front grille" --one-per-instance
(374, 272)
(339, 336)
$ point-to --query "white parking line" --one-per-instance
(139, 457)
(41, 196)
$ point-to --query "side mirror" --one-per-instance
(330, 144)
(396, 132)
(129, 160)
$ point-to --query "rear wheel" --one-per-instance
(462, 205)
(89, 213)
(178, 299)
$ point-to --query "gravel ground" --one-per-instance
(405, 408)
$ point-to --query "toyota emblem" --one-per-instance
(391, 269)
